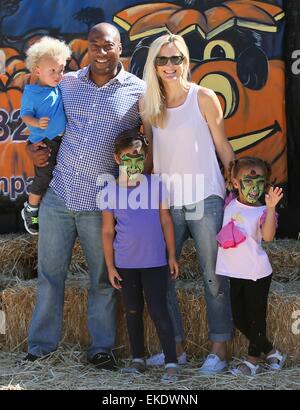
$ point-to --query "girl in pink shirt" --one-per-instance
(241, 257)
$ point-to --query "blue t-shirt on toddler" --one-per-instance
(44, 101)
(139, 240)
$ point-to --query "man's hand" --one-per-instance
(39, 153)
(43, 122)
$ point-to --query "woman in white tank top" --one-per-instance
(186, 121)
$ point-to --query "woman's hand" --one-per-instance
(174, 268)
(114, 278)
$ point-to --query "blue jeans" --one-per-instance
(203, 230)
(59, 228)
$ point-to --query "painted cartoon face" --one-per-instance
(251, 185)
(132, 164)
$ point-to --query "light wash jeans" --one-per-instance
(59, 228)
(203, 231)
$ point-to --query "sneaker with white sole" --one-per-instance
(159, 359)
(213, 364)
(30, 217)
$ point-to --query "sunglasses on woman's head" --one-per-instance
(175, 60)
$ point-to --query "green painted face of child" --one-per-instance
(133, 164)
(252, 187)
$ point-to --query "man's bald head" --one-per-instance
(105, 29)
(104, 50)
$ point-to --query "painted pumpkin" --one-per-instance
(10, 99)
(14, 160)
(241, 70)
(10, 52)
(79, 57)
(254, 120)
(16, 66)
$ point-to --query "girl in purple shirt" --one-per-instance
(139, 249)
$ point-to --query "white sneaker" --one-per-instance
(212, 365)
(159, 359)
(156, 360)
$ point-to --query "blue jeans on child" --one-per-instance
(203, 230)
(59, 228)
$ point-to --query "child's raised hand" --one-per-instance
(174, 268)
(273, 197)
(43, 122)
(114, 278)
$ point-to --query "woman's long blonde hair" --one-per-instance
(155, 98)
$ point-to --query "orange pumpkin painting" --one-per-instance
(254, 119)
(231, 47)
(14, 160)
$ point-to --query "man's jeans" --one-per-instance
(59, 228)
(203, 231)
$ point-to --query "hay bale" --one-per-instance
(18, 255)
(284, 255)
(285, 259)
(18, 303)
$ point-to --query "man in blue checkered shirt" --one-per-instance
(100, 101)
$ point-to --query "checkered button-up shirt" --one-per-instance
(95, 117)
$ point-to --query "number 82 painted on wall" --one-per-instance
(11, 127)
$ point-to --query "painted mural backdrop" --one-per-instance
(235, 47)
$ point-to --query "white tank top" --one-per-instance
(184, 154)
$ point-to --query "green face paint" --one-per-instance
(133, 165)
(252, 187)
